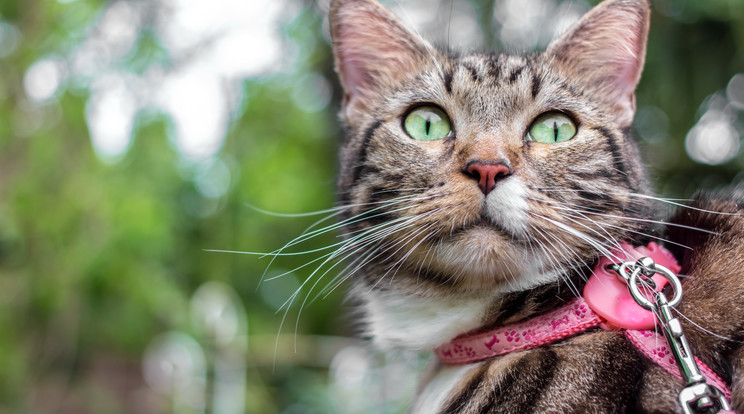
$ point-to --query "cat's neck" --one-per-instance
(423, 322)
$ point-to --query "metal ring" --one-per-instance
(645, 302)
(622, 271)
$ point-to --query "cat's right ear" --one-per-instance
(371, 48)
(607, 48)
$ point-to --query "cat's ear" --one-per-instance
(607, 47)
(371, 48)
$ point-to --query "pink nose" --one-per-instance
(487, 174)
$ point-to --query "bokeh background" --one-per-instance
(137, 136)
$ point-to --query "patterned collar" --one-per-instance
(606, 304)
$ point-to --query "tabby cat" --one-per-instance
(479, 190)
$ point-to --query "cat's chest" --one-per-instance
(397, 320)
(417, 321)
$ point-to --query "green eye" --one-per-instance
(427, 123)
(552, 127)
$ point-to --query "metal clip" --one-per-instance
(697, 396)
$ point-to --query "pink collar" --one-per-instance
(606, 303)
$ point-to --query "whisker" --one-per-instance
(573, 212)
(597, 245)
(629, 218)
(349, 270)
(610, 238)
(351, 220)
(349, 246)
(399, 262)
(328, 258)
(335, 210)
(697, 325)
(674, 203)
(570, 262)
(671, 201)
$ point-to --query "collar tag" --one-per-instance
(609, 297)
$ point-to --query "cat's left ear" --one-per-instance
(607, 47)
(372, 49)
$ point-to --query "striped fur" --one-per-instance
(434, 257)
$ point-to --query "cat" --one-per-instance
(479, 190)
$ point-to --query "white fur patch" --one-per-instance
(420, 323)
(436, 392)
(507, 206)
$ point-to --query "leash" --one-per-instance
(631, 299)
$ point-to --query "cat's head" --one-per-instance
(481, 172)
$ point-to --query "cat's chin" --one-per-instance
(489, 232)
(484, 256)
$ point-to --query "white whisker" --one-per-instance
(697, 325)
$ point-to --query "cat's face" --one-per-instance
(488, 171)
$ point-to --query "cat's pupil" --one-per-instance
(555, 131)
(428, 126)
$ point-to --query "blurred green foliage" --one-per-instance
(99, 257)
